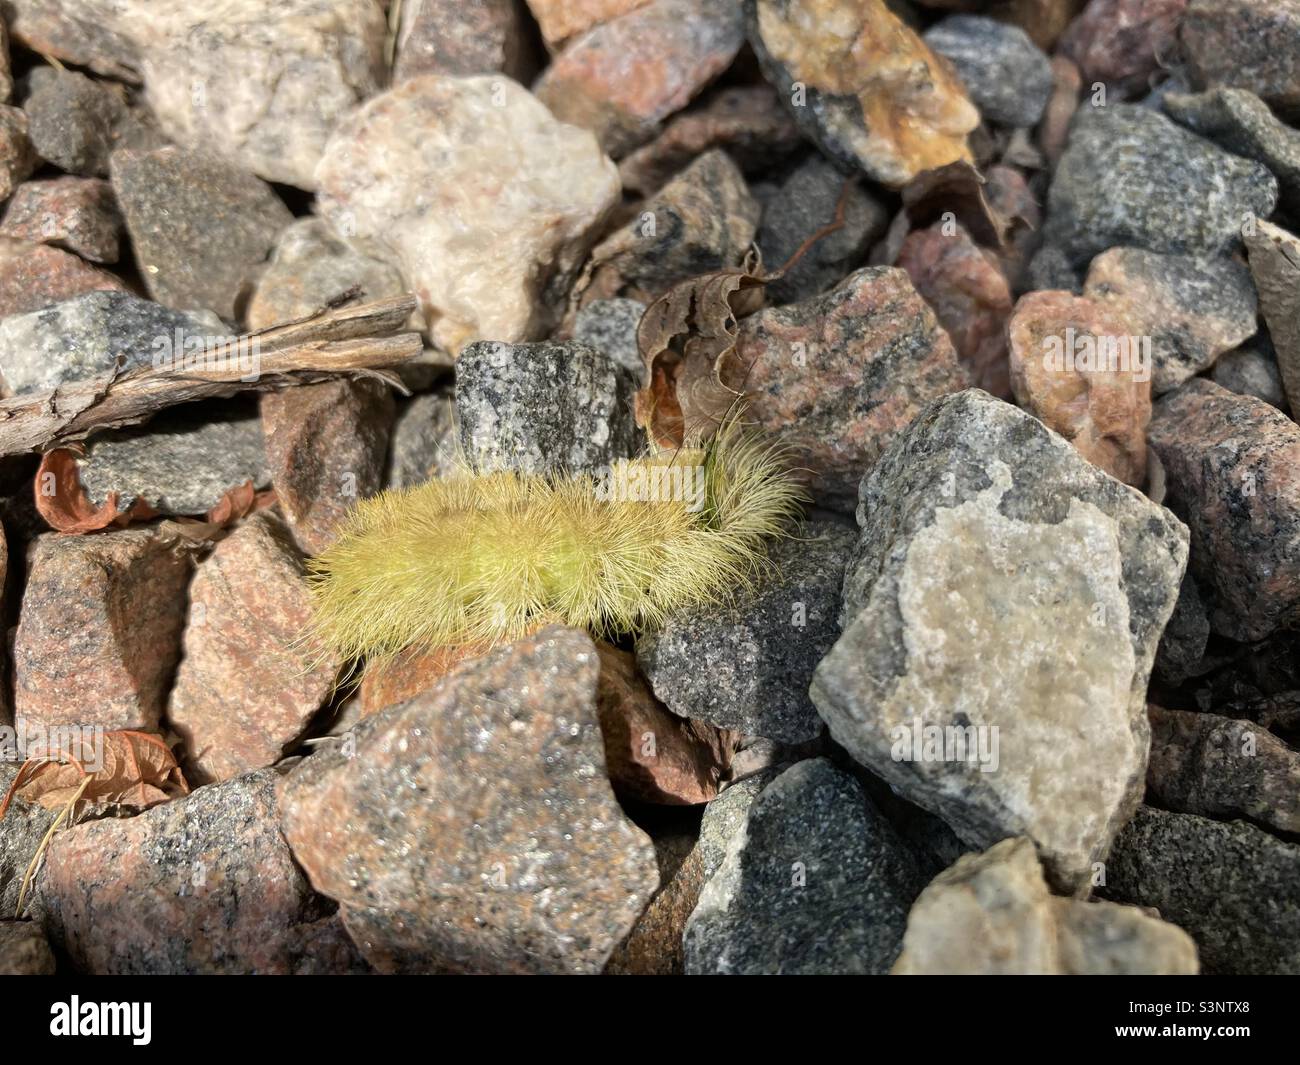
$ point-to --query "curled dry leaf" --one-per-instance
(63, 503)
(135, 769)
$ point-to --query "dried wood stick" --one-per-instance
(357, 340)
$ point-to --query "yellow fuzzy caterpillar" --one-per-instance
(485, 558)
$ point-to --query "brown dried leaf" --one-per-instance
(64, 504)
(959, 188)
(137, 769)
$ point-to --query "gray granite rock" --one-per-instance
(1007, 76)
(425, 441)
(1182, 644)
(1241, 122)
(1051, 268)
(1130, 176)
(201, 228)
(89, 335)
(610, 326)
(1251, 371)
(71, 119)
(180, 463)
(1230, 885)
(21, 831)
(814, 881)
(992, 914)
(1220, 767)
(1006, 594)
(798, 204)
(726, 814)
(746, 667)
(1193, 309)
(543, 406)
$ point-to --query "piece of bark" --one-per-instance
(361, 340)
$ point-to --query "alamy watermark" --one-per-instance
(1075, 352)
(973, 744)
(183, 352)
(30, 740)
(646, 482)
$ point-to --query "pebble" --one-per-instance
(561, 20)
(798, 204)
(486, 203)
(1193, 309)
(1132, 177)
(537, 871)
(1229, 884)
(624, 76)
(610, 327)
(24, 950)
(199, 885)
(836, 377)
(72, 119)
(1246, 44)
(77, 214)
(25, 825)
(654, 946)
(17, 159)
(1183, 643)
(991, 914)
(1065, 371)
(1252, 372)
(1232, 466)
(114, 604)
(91, 335)
(425, 441)
(543, 407)
(460, 39)
(746, 667)
(1124, 43)
(862, 85)
(1002, 583)
(200, 227)
(33, 276)
(815, 881)
(247, 686)
(1006, 75)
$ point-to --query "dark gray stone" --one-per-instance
(1050, 268)
(23, 827)
(1131, 176)
(1241, 122)
(1231, 886)
(90, 336)
(1182, 645)
(177, 463)
(815, 881)
(201, 228)
(24, 950)
(726, 814)
(71, 118)
(543, 407)
(794, 208)
(610, 326)
(1251, 371)
(1003, 590)
(747, 667)
(1006, 75)
(425, 440)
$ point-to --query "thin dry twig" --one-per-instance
(361, 340)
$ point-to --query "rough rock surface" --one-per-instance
(33, 276)
(1079, 367)
(1192, 309)
(702, 221)
(488, 208)
(1241, 122)
(1231, 465)
(747, 667)
(725, 815)
(862, 85)
(562, 19)
(24, 950)
(992, 914)
(1003, 582)
(178, 464)
(74, 122)
(1183, 643)
(654, 946)
(545, 406)
(1248, 44)
(17, 159)
(651, 754)
(801, 202)
(623, 77)
(24, 826)
(77, 214)
(474, 829)
(1230, 885)
(309, 268)
(834, 378)
(203, 884)
(1005, 74)
(458, 38)
(113, 604)
(1124, 42)
(326, 445)
(1219, 767)
(425, 440)
(247, 685)
(1251, 372)
(815, 881)
(90, 335)
(970, 295)
(609, 326)
(1132, 177)
(199, 226)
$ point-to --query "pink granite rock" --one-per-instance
(77, 214)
